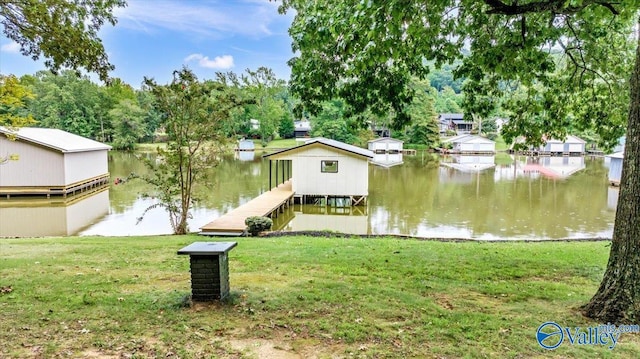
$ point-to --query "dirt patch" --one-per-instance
(443, 301)
(264, 349)
(92, 353)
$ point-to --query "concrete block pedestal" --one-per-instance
(209, 269)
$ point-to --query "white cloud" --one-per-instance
(200, 17)
(219, 62)
(12, 48)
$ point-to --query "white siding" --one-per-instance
(80, 166)
(576, 147)
(36, 165)
(556, 147)
(352, 178)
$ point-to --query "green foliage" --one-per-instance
(424, 129)
(332, 122)
(127, 124)
(265, 102)
(443, 78)
(194, 113)
(447, 101)
(257, 224)
(286, 127)
(70, 102)
(64, 32)
(13, 97)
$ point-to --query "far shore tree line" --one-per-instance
(123, 116)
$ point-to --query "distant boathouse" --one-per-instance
(43, 161)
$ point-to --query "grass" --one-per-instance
(150, 147)
(277, 144)
(500, 144)
(322, 297)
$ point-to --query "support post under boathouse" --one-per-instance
(323, 171)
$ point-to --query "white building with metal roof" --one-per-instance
(470, 144)
(50, 162)
(326, 169)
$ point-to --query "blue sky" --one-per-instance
(155, 37)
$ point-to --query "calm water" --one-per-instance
(487, 197)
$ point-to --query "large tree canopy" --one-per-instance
(562, 63)
(65, 32)
(367, 52)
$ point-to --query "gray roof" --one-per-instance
(56, 139)
(385, 139)
(331, 143)
(451, 116)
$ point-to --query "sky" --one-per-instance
(153, 38)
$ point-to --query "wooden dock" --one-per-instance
(267, 204)
(57, 190)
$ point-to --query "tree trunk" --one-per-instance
(618, 298)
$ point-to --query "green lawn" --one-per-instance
(277, 144)
(104, 297)
(500, 144)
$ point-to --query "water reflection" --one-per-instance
(39, 217)
(466, 163)
(353, 220)
(245, 155)
(387, 159)
(612, 197)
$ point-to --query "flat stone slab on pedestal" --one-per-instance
(207, 248)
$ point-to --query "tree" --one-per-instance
(424, 129)
(64, 32)
(69, 102)
(194, 113)
(366, 53)
(127, 122)
(13, 97)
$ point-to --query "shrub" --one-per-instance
(257, 224)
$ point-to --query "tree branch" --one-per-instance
(553, 6)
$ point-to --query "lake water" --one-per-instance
(481, 197)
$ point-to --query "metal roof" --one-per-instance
(385, 139)
(452, 116)
(330, 143)
(617, 155)
(56, 139)
(569, 139)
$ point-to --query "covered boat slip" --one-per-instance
(267, 204)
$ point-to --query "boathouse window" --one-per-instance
(329, 167)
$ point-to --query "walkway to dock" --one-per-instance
(266, 204)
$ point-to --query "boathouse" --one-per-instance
(615, 168)
(326, 170)
(246, 145)
(44, 161)
(385, 145)
(571, 146)
(470, 144)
